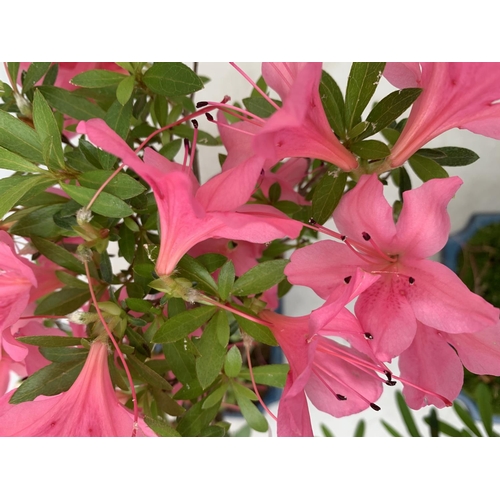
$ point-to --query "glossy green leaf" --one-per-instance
(406, 415)
(34, 73)
(105, 204)
(97, 78)
(327, 195)
(226, 279)
(122, 186)
(273, 375)
(361, 85)
(50, 340)
(71, 104)
(183, 324)
(259, 332)
(390, 108)
(38, 222)
(191, 269)
(58, 254)
(196, 419)
(20, 138)
(427, 169)
(215, 397)
(15, 191)
(172, 79)
(260, 278)
(126, 243)
(64, 354)
(454, 157)
(125, 89)
(233, 362)
(252, 415)
(118, 117)
(370, 150)
(49, 381)
(212, 353)
(212, 261)
(145, 373)
(62, 302)
(260, 106)
(333, 103)
(12, 161)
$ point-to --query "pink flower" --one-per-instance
(300, 128)
(89, 408)
(434, 361)
(16, 282)
(462, 95)
(337, 379)
(189, 213)
(410, 287)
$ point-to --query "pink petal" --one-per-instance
(433, 365)
(293, 414)
(280, 76)
(424, 224)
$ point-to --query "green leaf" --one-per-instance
(49, 381)
(274, 192)
(445, 428)
(260, 106)
(390, 108)
(361, 85)
(427, 169)
(196, 419)
(327, 195)
(391, 135)
(50, 340)
(259, 332)
(172, 79)
(390, 429)
(333, 103)
(105, 267)
(126, 243)
(212, 261)
(34, 73)
(97, 78)
(58, 254)
(212, 353)
(370, 150)
(166, 403)
(215, 397)
(191, 269)
(122, 185)
(407, 416)
(360, 429)
(12, 161)
(326, 431)
(71, 104)
(118, 117)
(62, 302)
(466, 418)
(14, 193)
(171, 149)
(20, 138)
(39, 223)
(183, 324)
(273, 375)
(233, 362)
(13, 69)
(125, 89)
(260, 278)
(105, 204)
(456, 157)
(147, 374)
(71, 281)
(404, 181)
(252, 415)
(187, 132)
(161, 428)
(226, 280)
(64, 354)
(482, 395)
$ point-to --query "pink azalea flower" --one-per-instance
(434, 361)
(16, 282)
(337, 379)
(300, 128)
(410, 287)
(189, 213)
(462, 95)
(89, 408)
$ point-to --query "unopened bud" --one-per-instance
(24, 105)
(83, 216)
(82, 317)
(84, 253)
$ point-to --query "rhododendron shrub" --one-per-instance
(186, 326)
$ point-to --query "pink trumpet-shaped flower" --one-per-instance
(338, 380)
(189, 213)
(410, 287)
(16, 282)
(434, 361)
(300, 128)
(463, 95)
(89, 408)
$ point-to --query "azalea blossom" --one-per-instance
(463, 95)
(337, 379)
(89, 408)
(411, 288)
(189, 213)
(434, 360)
